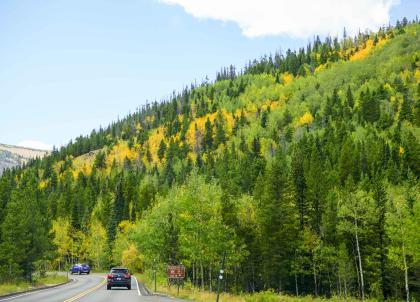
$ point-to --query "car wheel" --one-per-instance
(108, 287)
(129, 287)
(88, 273)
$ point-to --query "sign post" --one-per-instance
(176, 275)
(154, 271)
(222, 271)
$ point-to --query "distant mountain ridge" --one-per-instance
(12, 156)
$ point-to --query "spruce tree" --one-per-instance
(208, 136)
(161, 150)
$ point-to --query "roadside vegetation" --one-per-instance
(38, 281)
(191, 293)
(302, 170)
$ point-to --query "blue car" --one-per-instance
(80, 269)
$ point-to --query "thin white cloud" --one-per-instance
(35, 145)
(296, 18)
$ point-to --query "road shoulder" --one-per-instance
(33, 290)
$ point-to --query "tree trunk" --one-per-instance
(345, 289)
(339, 285)
(210, 280)
(253, 276)
(329, 283)
(97, 258)
(407, 289)
(296, 285)
(362, 285)
(279, 285)
(357, 274)
(193, 276)
(202, 276)
(235, 272)
(315, 283)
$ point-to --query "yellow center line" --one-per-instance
(84, 293)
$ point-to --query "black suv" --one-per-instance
(119, 277)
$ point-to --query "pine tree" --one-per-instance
(162, 149)
(264, 118)
(256, 147)
(405, 111)
(380, 198)
(350, 99)
(299, 185)
(100, 162)
(25, 230)
(220, 135)
(208, 136)
(278, 222)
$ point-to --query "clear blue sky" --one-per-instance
(67, 67)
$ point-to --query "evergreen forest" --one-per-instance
(301, 169)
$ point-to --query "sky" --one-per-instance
(67, 67)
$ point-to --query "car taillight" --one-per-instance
(127, 276)
(109, 276)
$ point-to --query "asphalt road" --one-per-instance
(90, 288)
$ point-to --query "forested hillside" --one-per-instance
(303, 168)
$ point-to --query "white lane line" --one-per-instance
(138, 289)
(37, 291)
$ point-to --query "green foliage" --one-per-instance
(303, 170)
(25, 231)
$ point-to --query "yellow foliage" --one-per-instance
(125, 226)
(272, 104)
(402, 150)
(131, 259)
(237, 112)
(57, 166)
(150, 118)
(42, 184)
(287, 78)
(251, 108)
(388, 87)
(393, 99)
(97, 243)
(138, 127)
(319, 68)
(83, 163)
(305, 119)
(60, 230)
(119, 152)
(362, 53)
(197, 126)
(417, 76)
(228, 120)
(381, 42)
(155, 137)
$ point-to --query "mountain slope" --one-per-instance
(13, 156)
(303, 170)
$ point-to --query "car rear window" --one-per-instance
(119, 271)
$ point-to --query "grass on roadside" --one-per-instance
(194, 294)
(49, 279)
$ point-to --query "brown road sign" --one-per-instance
(176, 272)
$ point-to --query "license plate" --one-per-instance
(118, 279)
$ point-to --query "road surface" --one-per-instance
(90, 288)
